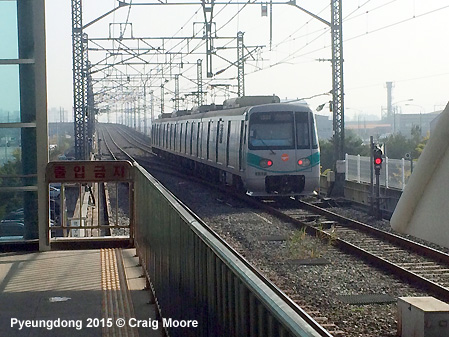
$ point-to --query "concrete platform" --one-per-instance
(74, 293)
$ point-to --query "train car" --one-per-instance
(265, 147)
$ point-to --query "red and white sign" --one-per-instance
(284, 157)
(89, 171)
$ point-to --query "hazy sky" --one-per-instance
(402, 41)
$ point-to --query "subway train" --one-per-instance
(255, 143)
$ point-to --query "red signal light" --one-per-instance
(378, 161)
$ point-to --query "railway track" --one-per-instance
(421, 266)
(314, 318)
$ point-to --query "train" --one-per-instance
(255, 143)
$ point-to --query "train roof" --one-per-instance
(233, 107)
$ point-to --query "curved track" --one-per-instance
(108, 138)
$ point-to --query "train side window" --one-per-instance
(173, 141)
(180, 137)
(185, 137)
(241, 145)
(191, 138)
(199, 142)
(169, 135)
(228, 136)
(218, 139)
(208, 139)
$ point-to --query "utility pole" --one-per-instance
(176, 92)
(337, 75)
(240, 65)
(199, 77)
(162, 98)
(79, 83)
(208, 10)
(337, 79)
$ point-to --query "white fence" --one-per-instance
(394, 173)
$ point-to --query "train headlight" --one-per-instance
(304, 162)
(265, 163)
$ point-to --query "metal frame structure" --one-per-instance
(240, 65)
(137, 54)
(208, 10)
(31, 65)
(199, 78)
(337, 79)
(79, 80)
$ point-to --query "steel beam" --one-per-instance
(337, 79)
(240, 65)
(79, 87)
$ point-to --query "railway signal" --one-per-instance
(377, 155)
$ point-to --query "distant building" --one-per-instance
(435, 121)
(324, 127)
(380, 129)
(405, 122)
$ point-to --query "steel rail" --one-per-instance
(411, 277)
(392, 238)
(287, 300)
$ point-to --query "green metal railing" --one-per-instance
(196, 276)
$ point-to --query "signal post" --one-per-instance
(377, 162)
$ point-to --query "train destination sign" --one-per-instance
(89, 171)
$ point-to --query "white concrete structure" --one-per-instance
(423, 209)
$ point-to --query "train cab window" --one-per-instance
(302, 130)
(271, 130)
(305, 131)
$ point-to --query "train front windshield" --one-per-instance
(275, 130)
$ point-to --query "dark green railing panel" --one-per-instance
(196, 277)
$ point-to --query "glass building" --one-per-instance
(23, 122)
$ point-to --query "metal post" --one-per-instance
(80, 197)
(199, 76)
(99, 222)
(386, 172)
(79, 82)
(358, 168)
(63, 212)
(403, 173)
(378, 211)
(131, 213)
(240, 66)
(177, 92)
(145, 114)
(116, 204)
(371, 140)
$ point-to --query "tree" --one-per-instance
(397, 145)
(353, 145)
